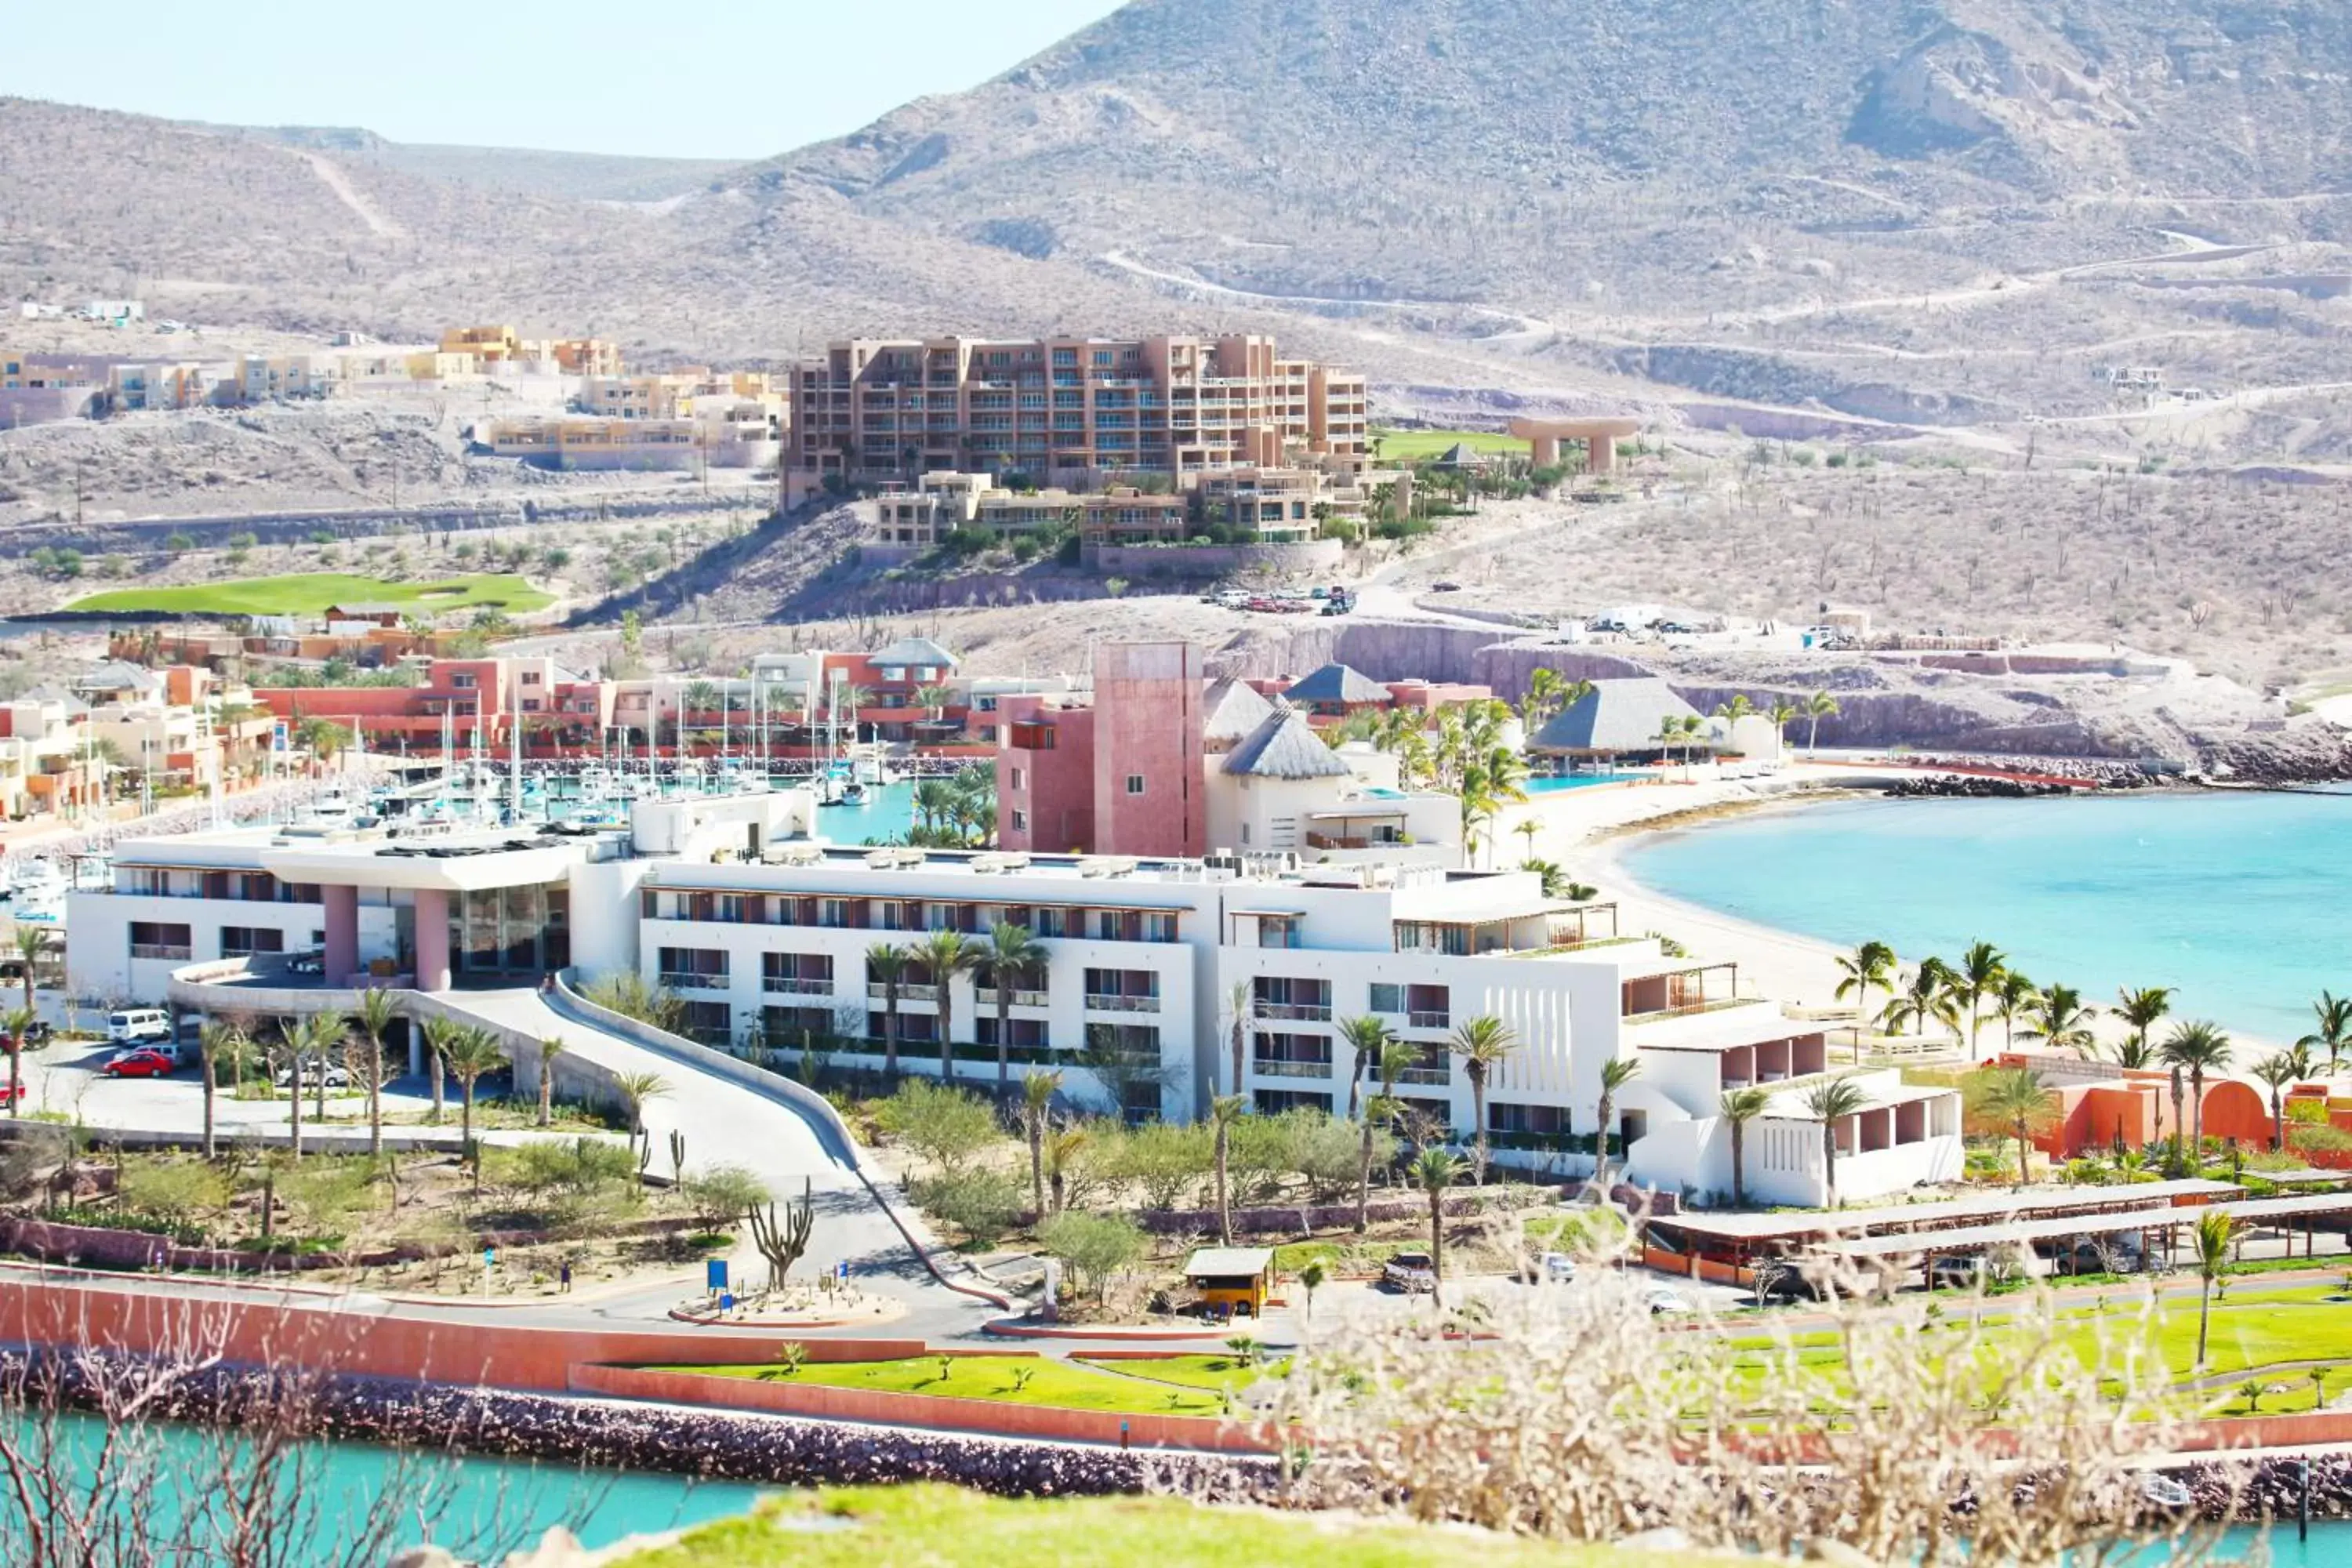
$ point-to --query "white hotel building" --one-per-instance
(764, 932)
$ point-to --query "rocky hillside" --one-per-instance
(1351, 147)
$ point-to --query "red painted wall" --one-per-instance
(1148, 726)
(1053, 799)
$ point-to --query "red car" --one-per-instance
(140, 1064)
(11, 1091)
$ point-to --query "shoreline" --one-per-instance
(1774, 962)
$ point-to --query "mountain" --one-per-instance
(1496, 149)
(571, 176)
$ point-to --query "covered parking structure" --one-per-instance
(1727, 1248)
(2286, 1217)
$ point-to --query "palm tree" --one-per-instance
(378, 1010)
(2019, 1097)
(1927, 999)
(34, 943)
(2058, 1017)
(886, 964)
(1432, 1171)
(1482, 1043)
(439, 1034)
(1237, 1009)
(2215, 1235)
(550, 1048)
(1871, 963)
(1377, 1048)
(1225, 1110)
(1829, 1104)
(2195, 1047)
(635, 1089)
(216, 1041)
(934, 701)
(1978, 975)
(945, 954)
(1821, 705)
(2013, 999)
(1741, 1107)
(1037, 1092)
(1732, 713)
(18, 1020)
(1782, 713)
(1010, 956)
(2140, 1011)
(2278, 1071)
(1615, 1074)
(2333, 1013)
(293, 1040)
(472, 1054)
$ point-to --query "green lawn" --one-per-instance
(1337, 1256)
(1413, 445)
(922, 1526)
(1215, 1373)
(2254, 1329)
(1048, 1382)
(309, 593)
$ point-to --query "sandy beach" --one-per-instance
(1586, 832)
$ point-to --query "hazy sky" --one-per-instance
(707, 79)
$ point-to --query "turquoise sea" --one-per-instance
(2236, 899)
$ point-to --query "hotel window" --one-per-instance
(1135, 783)
(463, 680)
(1020, 779)
(1388, 999)
(243, 941)
(1020, 820)
(153, 939)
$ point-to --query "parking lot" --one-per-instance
(64, 1081)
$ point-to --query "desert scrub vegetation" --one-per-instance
(1576, 1418)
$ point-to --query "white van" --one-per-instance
(137, 1024)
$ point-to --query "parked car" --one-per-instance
(136, 1023)
(11, 1092)
(1666, 1301)
(337, 1074)
(311, 963)
(1559, 1268)
(1410, 1272)
(146, 1061)
(39, 1032)
(1445, 587)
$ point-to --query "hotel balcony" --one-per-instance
(876, 992)
(1267, 1066)
(1294, 1012)
(694, 982)
(986, 996)
(1704, 988)
(1431, 1076)
(793, 986)
(1099, 1002)
(1429, 1020)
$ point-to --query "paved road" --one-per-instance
(726, 1124)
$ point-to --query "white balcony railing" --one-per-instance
(177, 951)
(1426, 1019)
(1296, 1012)
(793, 986)
(1265, 1069)
(694, 982)
(878, 991)
(1439, 1077)
(986, 994)
(1097, 1002)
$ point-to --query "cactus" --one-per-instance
(782, 1241)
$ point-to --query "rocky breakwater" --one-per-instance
(712, 1444)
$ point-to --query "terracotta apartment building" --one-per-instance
(1067, 411)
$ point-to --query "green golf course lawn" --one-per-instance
(312, 592)
(858, 1527)
(1058, 1384)
(1413, 445)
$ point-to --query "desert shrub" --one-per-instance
(627, 994)
(719, 1198)
(582, 1170)
(1164, 1160)
(176, 1192)
(1324, 1151)
(984, 1204)
(1093, 1247)
(2320, 1140)
(943, 1125)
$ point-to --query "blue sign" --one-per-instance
(726, 1302)
(279, 738)
(841, 1269)
(489, 1256)
(714, 1274)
